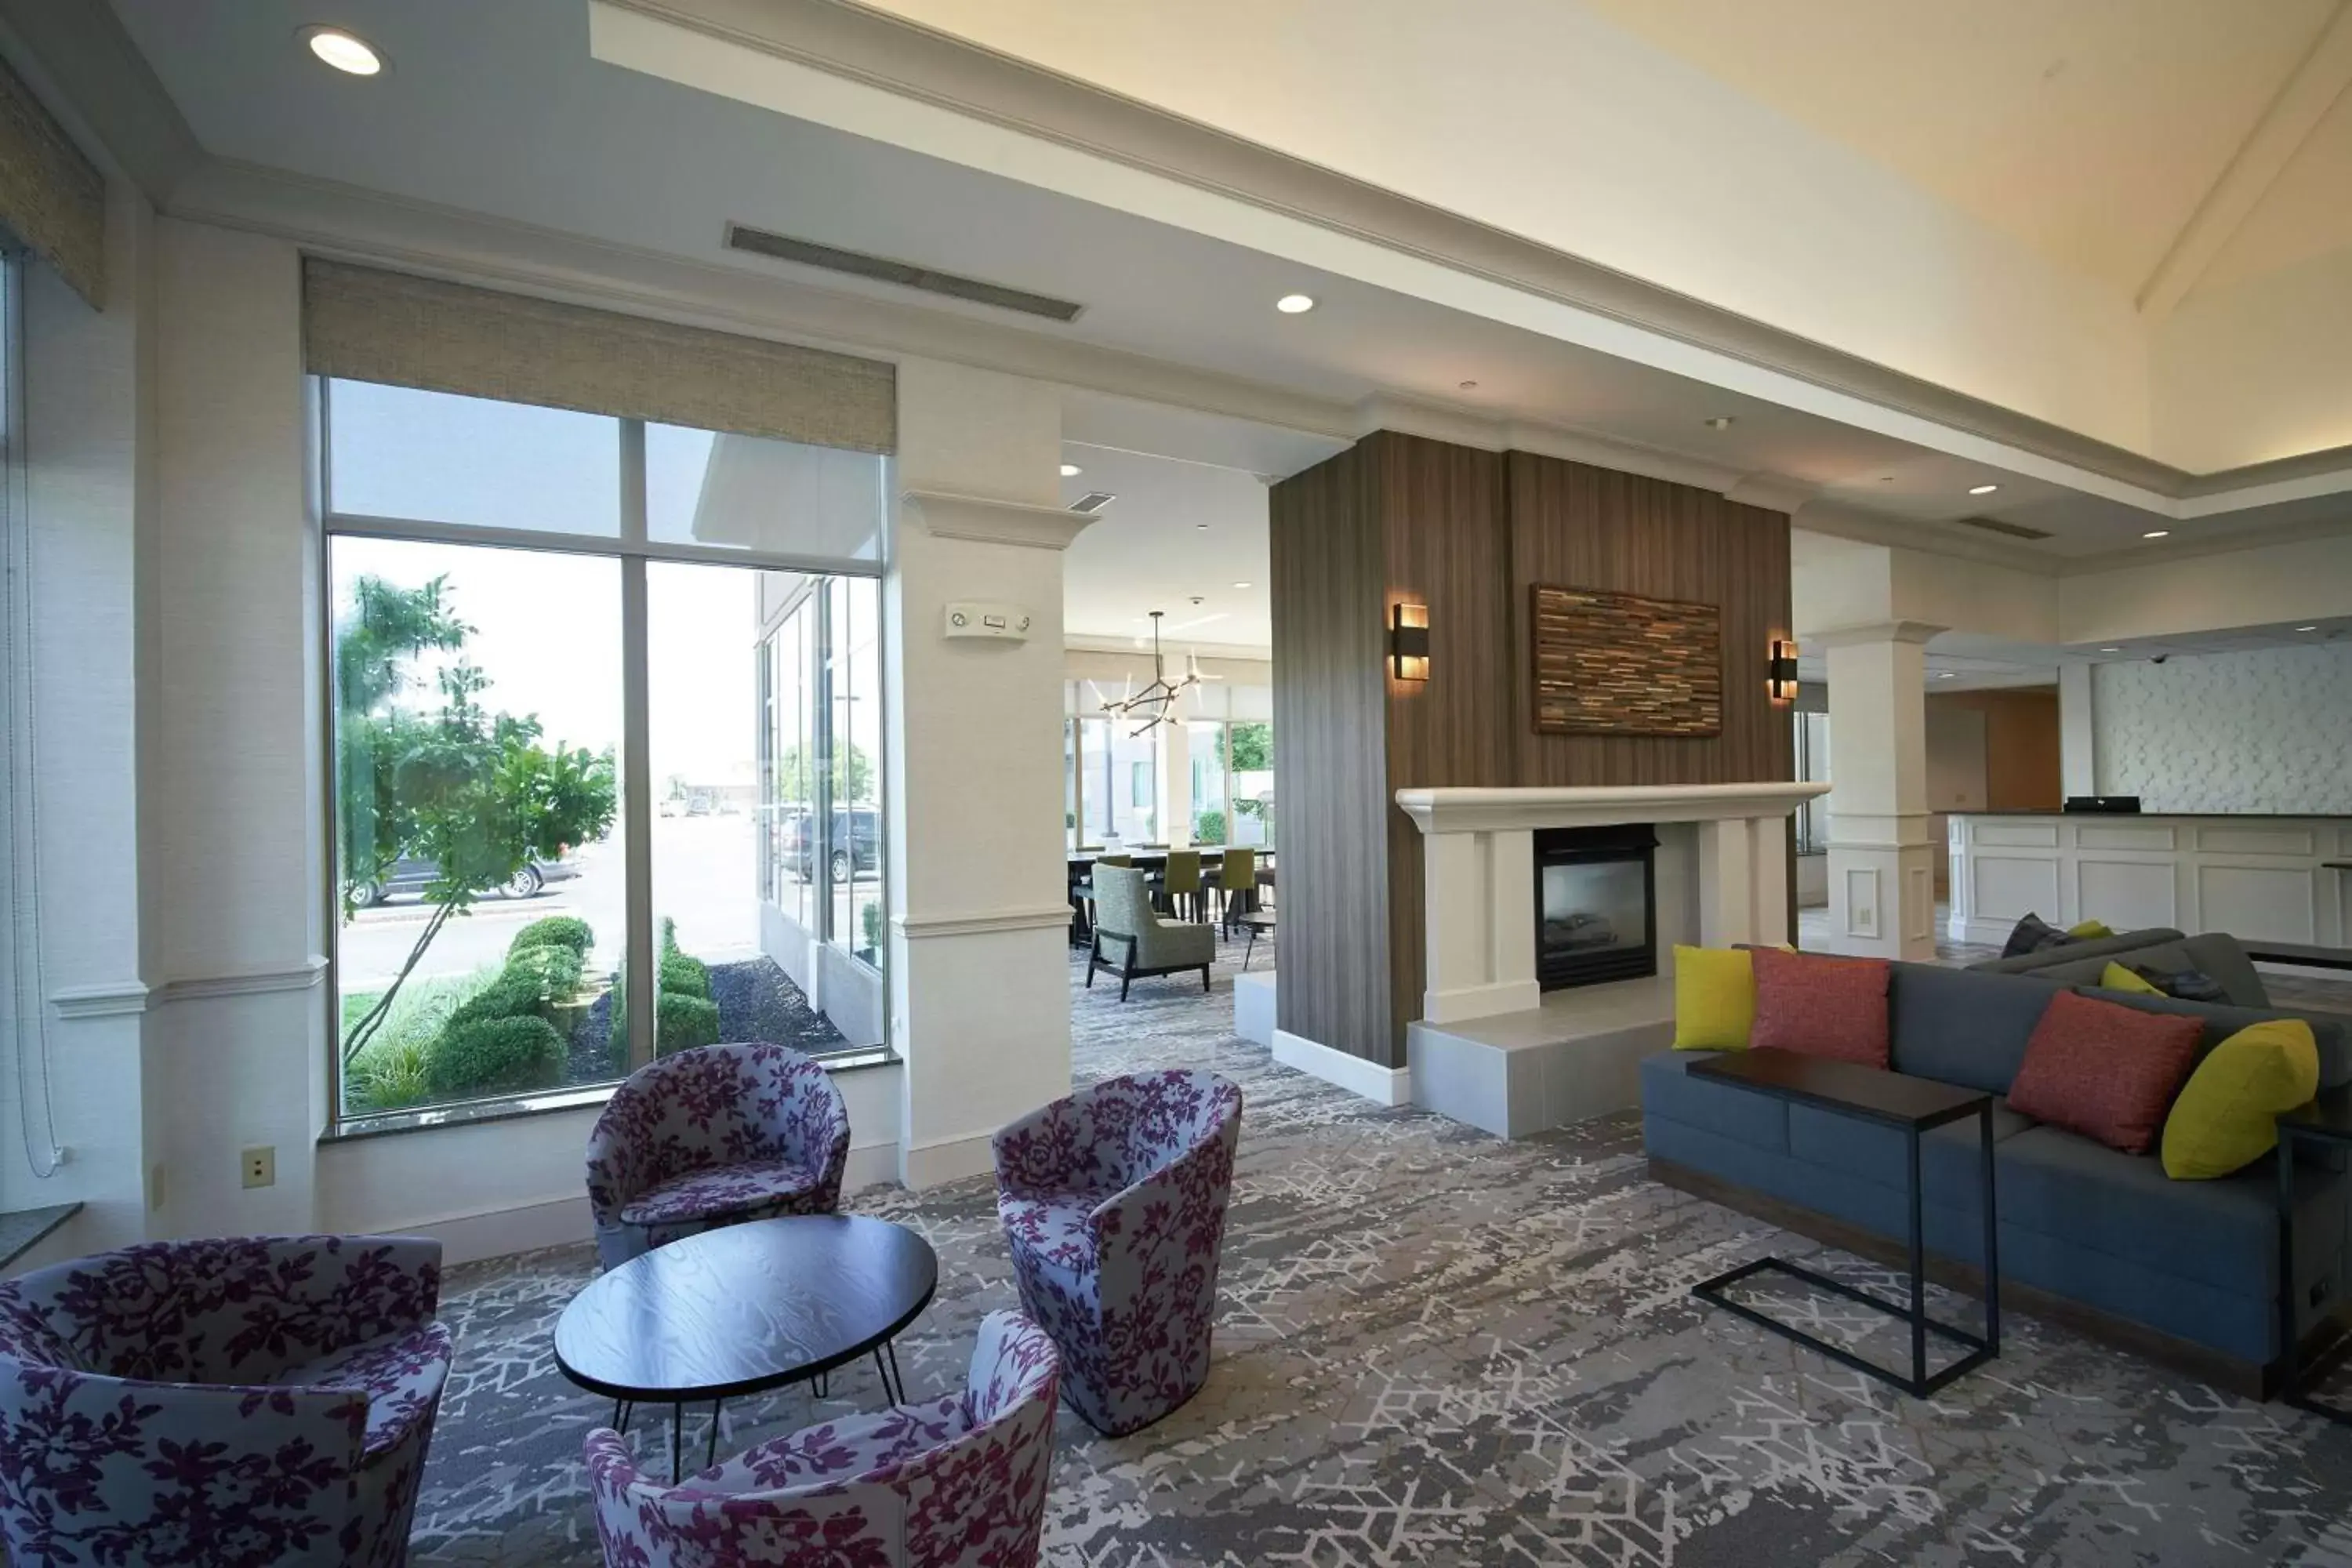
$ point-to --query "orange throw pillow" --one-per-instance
(1818, 1006)
(2105, 1070)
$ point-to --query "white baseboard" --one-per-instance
(947, 1160)
(873, 1166)
(494, 1233)
(560, 1222)
(1383, 1086)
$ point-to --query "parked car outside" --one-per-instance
(857, 843)
(411, 876)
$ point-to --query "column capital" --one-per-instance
(1877, 632)
(993, 522)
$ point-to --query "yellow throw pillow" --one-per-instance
(2089, 930)
(1715, 998)
(2116, 977)
(2227, 1115)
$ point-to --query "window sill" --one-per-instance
(554, 1102)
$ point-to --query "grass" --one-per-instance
(389, 1073)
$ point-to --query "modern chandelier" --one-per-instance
(1156, 703)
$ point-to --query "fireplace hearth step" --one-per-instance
(1575, 1057)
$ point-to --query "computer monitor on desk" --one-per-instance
(2103, 803)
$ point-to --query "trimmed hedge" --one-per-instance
(557, 930)
(685, 976)
(682, 1023)
(495, 1056)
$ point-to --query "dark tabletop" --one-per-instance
(1871, 1093)
(745, 1308)
(2330, 1116)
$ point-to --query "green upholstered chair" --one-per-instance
(1131, 939)
(1085, 885)
(1180, 884)
(1237, 881)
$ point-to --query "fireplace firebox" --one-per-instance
(1596, 905)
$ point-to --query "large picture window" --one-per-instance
(606, 747)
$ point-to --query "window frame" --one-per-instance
(632, 550)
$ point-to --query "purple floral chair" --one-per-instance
(1114, 1202)
(714, 1136)
(958, 1481)
(227, 1403)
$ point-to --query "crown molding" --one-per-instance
(112, 1000)
(986, 521)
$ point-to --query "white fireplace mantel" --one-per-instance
(1478, 875)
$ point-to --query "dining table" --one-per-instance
(1149, 859)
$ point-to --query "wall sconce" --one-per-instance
(1780, 674)
(1409, 641)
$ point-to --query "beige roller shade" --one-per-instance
(51, 197)
(362, 324)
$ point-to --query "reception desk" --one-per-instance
(2263, 879)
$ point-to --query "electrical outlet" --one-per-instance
(260, 1167)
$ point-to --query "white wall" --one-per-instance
(2256, 371)
(2269, 730)
(2266, 585)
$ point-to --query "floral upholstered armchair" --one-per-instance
(958, 1481)
(244, 1403)
(714, 1136)
(1114, 1202)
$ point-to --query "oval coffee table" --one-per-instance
(744, 1309)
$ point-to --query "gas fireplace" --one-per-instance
(1596, 905)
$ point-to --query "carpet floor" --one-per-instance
(1436, 1347)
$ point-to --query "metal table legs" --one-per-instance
(1920, 1382)
(2295, 1378)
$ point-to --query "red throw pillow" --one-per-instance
(1819, 1006)
(2105, 1070)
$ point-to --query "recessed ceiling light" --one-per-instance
(2157, 533)
(1241, 584)
(2306, 629)
(1720, 422)
(1946, 675)
(1295, 304)
(1982, 489)
(2111, 651)
(1202, 526)
(347, 52)
(1469, 386)
(1071, 471)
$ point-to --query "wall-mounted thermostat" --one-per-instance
(1008, 623)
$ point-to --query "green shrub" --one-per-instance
(495, 1056)
(685, 976)
(869, 924)
(1209, 827)
(681, 1023)
(387, 1075)
(557, 930)
(555, 970)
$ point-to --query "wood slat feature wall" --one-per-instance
(1470, 533)
(1597, 528)
(1326, 576)
(1442, 522)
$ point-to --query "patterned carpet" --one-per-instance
(1439, 1348)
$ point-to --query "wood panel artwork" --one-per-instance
(1618, 664)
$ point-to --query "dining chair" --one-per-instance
(1086, 885)
(1237, 881)
(1180, 886)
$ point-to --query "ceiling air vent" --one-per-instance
(1093, 502)
(1994, 525)
(905, 274)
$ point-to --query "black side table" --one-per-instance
(1911, 1106)
(2327, 1123)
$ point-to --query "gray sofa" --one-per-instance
(2214, 953)
(2181, 1271)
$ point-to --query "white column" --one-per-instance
(1175, 784)
(980, 993)
(1882, 839)
(2078, 754)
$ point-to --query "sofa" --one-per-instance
(2216, 954)
(2181, 1271)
